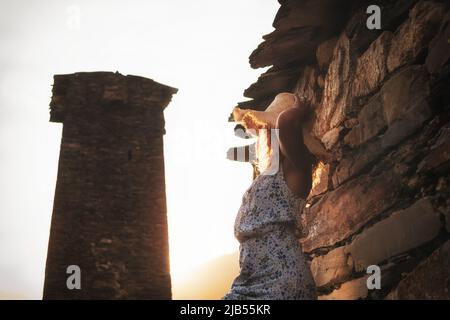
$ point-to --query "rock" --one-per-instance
(438, 154)
(281, 48)
(350, 123)
(307, 86)
(335, 105)
(447, 220)
(405, 104)
(370, 123)
(325, 51)
(374, 93)
(272, 82)
(401, 129)
(294, 14)
(341, 212)
(446, 213)
(300, 27)
(404, 100)
(358, 33)
(351, 290)
(412, 38)
(320, 179)
(403, 123)
(331, 268)
(402, 231)
(371, 66)
(429, 280)
(320, 81)
(391, 274)
(258, 104)
(394, 13)
(405, 90)
(330, 138)
(356, 161)
(439, 48)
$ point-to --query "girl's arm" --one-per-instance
(290, 135)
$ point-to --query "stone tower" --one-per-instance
(109, 214)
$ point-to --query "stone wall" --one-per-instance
(109, 213)
(381, 132)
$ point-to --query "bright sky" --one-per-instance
(201, 47)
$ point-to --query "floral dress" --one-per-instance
(273, 265)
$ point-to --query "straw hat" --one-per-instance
(252, 119)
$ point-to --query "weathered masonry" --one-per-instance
(381, 133)
(109, 214)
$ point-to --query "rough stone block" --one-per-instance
(331, 268)
(354, 162)
(307, 86)
(406, 93)
(341, 212)
(405, 105)
(358, 33)
(404, 99)
(403, 230)
(272, 82)
(412, 38)
(429, 280)
(447, 220)
(439, 48)
(300, 26)
(370, 123)
(330, 138)
(335, 104)
(325, 51)
(371, 66)
(351, 290)
(438, 154)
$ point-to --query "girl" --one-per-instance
(272, 263)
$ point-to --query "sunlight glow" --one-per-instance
(200, 47)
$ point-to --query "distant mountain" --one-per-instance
(210, 281)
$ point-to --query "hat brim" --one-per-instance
(252, 119)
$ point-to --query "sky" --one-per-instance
(200, 47)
